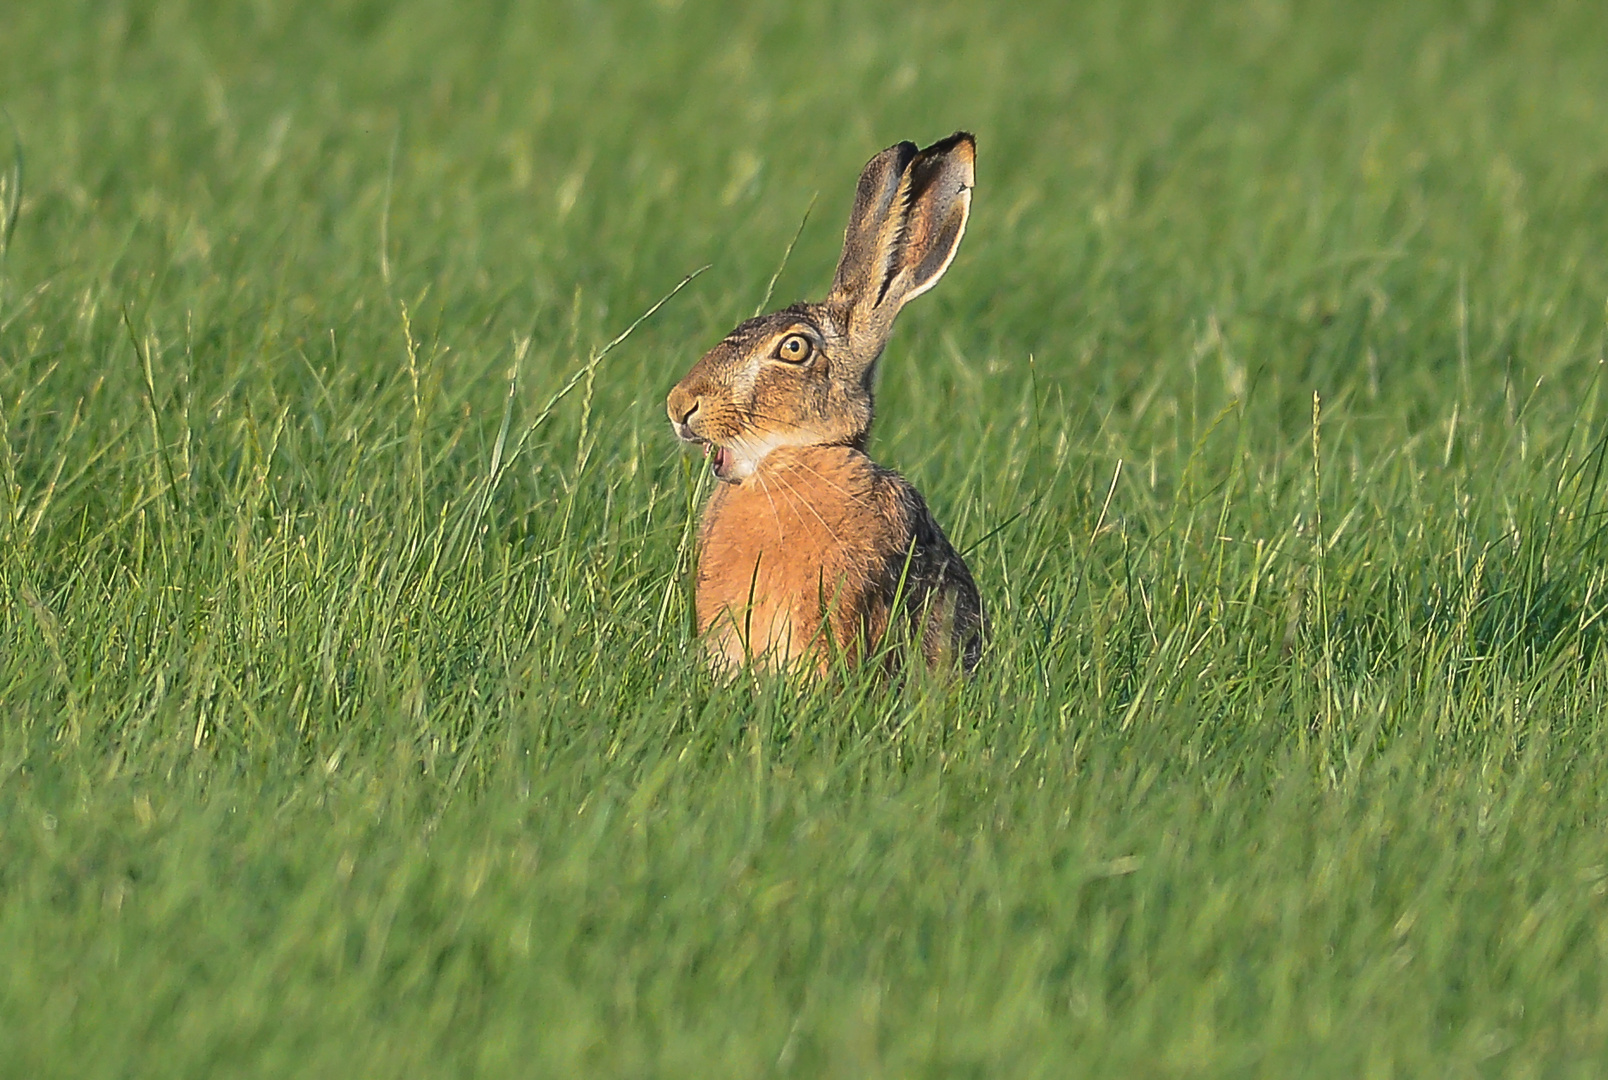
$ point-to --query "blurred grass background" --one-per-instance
(350, 719)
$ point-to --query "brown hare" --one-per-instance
(809, 546)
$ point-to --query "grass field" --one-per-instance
(351, 722)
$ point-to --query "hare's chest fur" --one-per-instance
(808, 547)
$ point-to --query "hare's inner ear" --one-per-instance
(940, 186)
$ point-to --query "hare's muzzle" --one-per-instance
(683, 408)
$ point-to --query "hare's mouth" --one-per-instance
(721, 459)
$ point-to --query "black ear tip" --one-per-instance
(903, 154)
(955, 142)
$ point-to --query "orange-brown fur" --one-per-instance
(811, 552)
(794, 557)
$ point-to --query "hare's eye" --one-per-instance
(795, 349)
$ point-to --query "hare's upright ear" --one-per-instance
(909, 215)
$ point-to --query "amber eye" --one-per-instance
(795, 349)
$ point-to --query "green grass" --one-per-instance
(350, 719)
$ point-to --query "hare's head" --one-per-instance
(802, 376)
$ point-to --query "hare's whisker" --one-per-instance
(800, 499)
(765, 487)
(754, 415)
(860, 498)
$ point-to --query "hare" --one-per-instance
(809, 547)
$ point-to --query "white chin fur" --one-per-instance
(747, 454)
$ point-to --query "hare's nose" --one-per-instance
(683, 406)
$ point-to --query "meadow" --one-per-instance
(352, 722)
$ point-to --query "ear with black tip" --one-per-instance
(909, 214)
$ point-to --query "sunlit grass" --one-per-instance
(350, 717)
